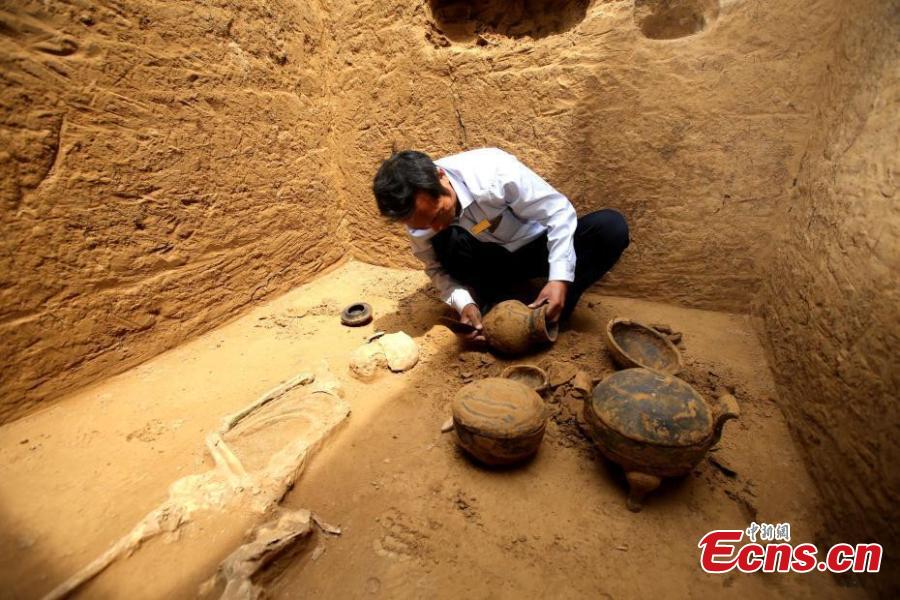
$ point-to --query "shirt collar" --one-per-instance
(463, 195)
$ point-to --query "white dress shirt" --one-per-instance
(494, 186)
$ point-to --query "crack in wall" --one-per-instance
(463, 136)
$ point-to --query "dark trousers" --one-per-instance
(494, 273)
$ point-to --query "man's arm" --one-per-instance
(531, 198)
(451, 291)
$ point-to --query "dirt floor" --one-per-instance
(418, 518)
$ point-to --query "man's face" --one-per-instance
(434, 213)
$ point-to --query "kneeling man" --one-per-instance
(482, 222)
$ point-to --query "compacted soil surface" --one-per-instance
(417, 517)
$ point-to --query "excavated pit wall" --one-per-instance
(830, 298)
(694, 133)
(171, 162)
(752, 146)
(167, 163)
(164, 164)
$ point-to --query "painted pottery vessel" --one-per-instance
(634, 344)
(499, 421)
(534, 377)
(357, 314)
(513, 328)
(654, 425)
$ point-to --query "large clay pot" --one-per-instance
(513, 328)
(499, 421)
(654, 425)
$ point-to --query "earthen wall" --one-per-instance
(690, 120)
(831, 293)
(163, 165)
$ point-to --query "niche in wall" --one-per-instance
(672, 19)
(466, 20)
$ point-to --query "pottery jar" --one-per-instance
(513, 328)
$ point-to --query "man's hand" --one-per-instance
(554, 296)
(471, 315)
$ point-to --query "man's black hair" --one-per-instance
(400, 178)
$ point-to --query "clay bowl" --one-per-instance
(633, 344)
(499, 421)
(534, 377)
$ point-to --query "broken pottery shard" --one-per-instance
(400, 351)
(365, 360)
(560, 372)
(582, 384)
(396, 351)
(661, 327)
(674, 336)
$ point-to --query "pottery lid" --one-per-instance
(498, 408)
(652, 407)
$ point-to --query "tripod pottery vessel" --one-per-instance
(654, 425)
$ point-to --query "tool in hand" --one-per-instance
(456, 326)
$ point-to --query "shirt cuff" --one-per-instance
(561, 270)
(459, 299)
